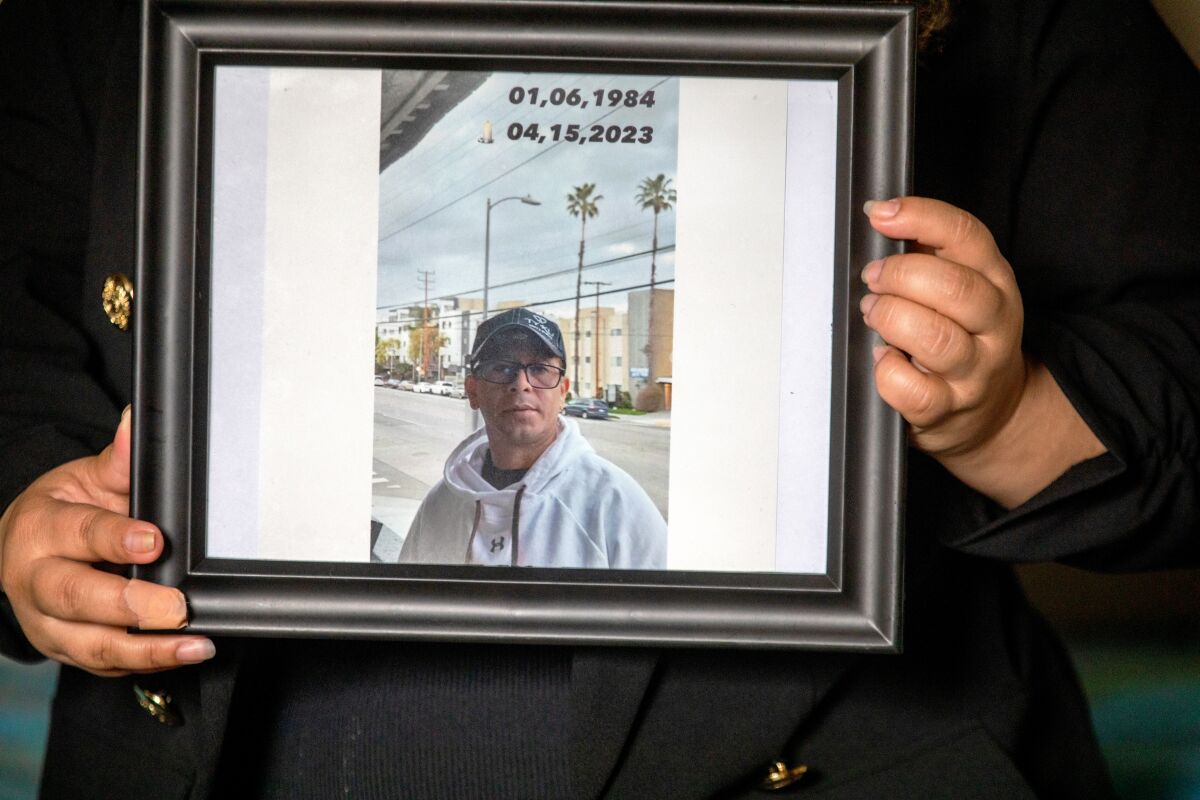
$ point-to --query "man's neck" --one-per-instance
(500, 478)
(509, 458)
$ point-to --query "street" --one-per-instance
(414, 434)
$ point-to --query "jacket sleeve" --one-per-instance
(636, 530)
(55, 404)
(1105, 239)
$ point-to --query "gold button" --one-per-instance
(157, 705)
(117, 297)
(780, 776)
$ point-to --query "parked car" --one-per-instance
(380, 380)
(458, 391)
(393, 383)
(588, 409)
(405, 386)
(444, 388)
(423, 387)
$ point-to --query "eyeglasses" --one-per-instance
(540, 376)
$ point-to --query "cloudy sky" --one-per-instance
(433, 200)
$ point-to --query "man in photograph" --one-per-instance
(527, 489)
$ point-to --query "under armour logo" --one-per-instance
(497, 543)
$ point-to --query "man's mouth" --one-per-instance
(517, 409)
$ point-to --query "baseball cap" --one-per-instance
(519, 320)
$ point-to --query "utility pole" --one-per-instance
(596, 334)
(424, 279)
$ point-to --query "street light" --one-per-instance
(487, 239)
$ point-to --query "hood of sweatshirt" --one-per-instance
(463, 472)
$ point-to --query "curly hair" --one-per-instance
(933, 18)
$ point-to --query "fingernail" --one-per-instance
(883, 209)
(157, 608)
(878, 352)
(139, 541)
(867, 303)
(871, 271)
(195, 651)
(125, 414)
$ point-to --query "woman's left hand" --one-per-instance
(951, 316)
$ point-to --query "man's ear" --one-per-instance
(470, 386)
(566, 385)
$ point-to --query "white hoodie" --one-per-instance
(572, 509)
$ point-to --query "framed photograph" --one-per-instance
(520, 320)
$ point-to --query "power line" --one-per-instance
(541, 276)
(457, 314)
(571, 297)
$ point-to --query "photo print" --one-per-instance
(550, 193)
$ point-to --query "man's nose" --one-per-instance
(521, 383)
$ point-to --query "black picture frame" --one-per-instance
(855, 605)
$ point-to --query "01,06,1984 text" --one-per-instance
(534, 96)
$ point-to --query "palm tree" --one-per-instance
(580, 203)
(656, 194)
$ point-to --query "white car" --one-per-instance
(424, 388)
(444, 388)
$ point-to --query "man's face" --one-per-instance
(519, 417)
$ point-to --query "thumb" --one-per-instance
(110, 470)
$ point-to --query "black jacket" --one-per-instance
(1070, 127)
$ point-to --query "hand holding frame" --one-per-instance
(51, 535)
(993, 416)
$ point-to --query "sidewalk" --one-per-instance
(655, 419)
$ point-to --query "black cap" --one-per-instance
(520, 320)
